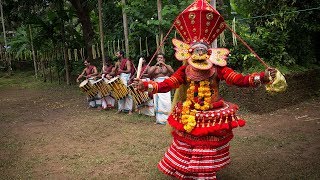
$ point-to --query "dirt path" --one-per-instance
(50, 134)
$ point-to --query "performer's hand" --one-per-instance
(270, 74)
(108, 77)
(80, 76)
(138, 84)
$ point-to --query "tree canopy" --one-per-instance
(283, 33)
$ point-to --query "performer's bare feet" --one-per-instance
(130, 112)
(118, 112)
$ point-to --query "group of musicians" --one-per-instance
(158, 105)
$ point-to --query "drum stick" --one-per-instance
(139, 67)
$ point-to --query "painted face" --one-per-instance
(200, 58)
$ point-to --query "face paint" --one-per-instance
(199, 57)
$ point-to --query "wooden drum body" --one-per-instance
(139, 97)
(117, 88)
(87, 87)
(101, 86)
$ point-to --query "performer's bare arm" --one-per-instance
(113, 71)
(81, 75)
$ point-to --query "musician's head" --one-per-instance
(161, 58)
(86, 62)
(120, 54)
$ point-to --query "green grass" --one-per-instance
(27, 80)
(294, 69)
(20, 79)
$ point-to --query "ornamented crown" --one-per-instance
(199, 22)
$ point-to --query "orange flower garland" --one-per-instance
(188, 116)
(205, 93)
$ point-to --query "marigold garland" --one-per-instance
(204, 92)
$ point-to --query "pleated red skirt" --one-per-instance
(185, 161)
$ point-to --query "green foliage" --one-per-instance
(277, 32)
(20, 42)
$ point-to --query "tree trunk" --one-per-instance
(125, 27)
(159, 7)
(43, 68)
(5, 41)
(66, 65)
(66, 60)
(215, 42)
(82, 11)
(101, 32)
(33, 53)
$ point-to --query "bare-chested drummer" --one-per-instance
(162, 101)
(90, 72)
(108, 71)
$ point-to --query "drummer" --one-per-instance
(107, 72)
(90, 72)
(107, 68)
(125, 70)
(146, 108)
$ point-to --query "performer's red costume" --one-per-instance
(202, 121)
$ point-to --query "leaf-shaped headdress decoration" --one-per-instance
(182, 50)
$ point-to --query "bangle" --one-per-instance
(150, 88)
(257, 80)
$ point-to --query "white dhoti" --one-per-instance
(162, 104)
(108, 102)
(98, 100)
(146, 108)
(126, 103)
(95, 101)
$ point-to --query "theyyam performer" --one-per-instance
(201, 120)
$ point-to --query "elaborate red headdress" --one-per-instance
(199, 22)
